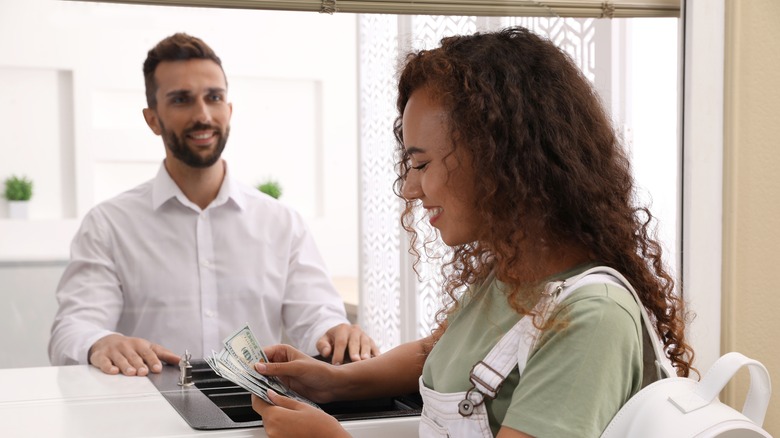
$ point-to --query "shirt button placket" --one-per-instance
(208, 283)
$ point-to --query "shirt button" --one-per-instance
(210, 313)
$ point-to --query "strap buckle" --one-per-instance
(481, 389)
(481, 385)
(553, 290)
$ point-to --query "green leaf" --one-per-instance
(271, 188)
(18, 188)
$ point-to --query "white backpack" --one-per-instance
(683, 407)
(678, 406)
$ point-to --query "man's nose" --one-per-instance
(201, 112)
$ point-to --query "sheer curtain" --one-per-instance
(397, 305)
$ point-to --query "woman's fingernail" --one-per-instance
(260, 367)
(156, 368)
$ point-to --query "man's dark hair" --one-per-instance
(177, 47)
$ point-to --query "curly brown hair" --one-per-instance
(551, 171)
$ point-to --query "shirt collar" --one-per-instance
(165, 189)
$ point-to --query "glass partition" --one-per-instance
(313, 100)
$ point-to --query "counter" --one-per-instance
(80, 401)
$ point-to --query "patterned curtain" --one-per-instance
(398, 304)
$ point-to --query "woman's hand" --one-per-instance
(314, 379)
(390, 374)
(290, 418)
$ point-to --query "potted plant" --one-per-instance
(271, 188)
(18, 191)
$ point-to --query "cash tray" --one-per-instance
(214, 402)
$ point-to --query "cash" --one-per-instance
(236, 362)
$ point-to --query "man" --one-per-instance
(180, 262)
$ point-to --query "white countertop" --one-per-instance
(80, 401)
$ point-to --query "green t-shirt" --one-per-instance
(576, 378)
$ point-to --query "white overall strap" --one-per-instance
(488, 374)
(513, 348)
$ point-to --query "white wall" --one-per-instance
(27, 312)
(71, 120)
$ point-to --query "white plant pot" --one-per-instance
(18, 209)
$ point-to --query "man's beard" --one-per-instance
(178, 146)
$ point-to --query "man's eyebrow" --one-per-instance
(183, 92)
(178, 93)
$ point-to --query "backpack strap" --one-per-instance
(721, 372)
(488, 374)
(557, 291)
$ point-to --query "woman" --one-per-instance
(506, 146)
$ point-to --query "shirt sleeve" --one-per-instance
(581, 372)
(311, 303)
(89, 295)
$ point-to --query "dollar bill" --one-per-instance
(236, 361)
(244, 348)
(236, 377)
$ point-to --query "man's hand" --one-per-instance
(290, 418)
(130, 356)
(336, 341)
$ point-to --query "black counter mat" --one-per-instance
(217, 403)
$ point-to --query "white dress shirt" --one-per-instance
(151, 264)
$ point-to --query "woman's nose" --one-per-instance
(411, 188)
